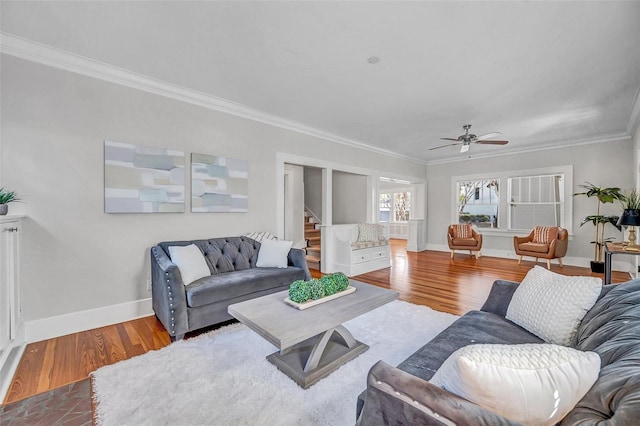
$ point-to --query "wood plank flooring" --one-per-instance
(427, 278)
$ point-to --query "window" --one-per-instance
(385, 207)
(536, 200)
(402, 206)
(395, 207)
(515, 200)
(478, 202)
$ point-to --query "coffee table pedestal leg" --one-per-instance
(315, 358)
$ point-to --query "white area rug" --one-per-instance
(223, 378)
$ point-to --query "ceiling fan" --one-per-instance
(467, 139)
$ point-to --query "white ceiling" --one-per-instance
(542, 73)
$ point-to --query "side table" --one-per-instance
(609, 250)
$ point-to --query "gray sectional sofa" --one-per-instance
(402, 395)
(234, 278)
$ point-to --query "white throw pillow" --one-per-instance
(535, 384)
(273, 254)
(551, 305)
(190, 261)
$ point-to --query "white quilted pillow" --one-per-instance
(551, 305)
(190, 261)
(534, 384)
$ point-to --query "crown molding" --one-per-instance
(634, 119)
(553, 145)
(61, 59)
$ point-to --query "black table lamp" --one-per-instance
(630, 217)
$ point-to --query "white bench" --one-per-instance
(357, 252)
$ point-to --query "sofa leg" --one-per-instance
(452, 251)
(519, 259)
(477, 254)
(549, 264)
(560, 262)
(176, 337)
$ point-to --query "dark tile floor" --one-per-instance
(68, 405)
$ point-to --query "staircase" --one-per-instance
(312, 235)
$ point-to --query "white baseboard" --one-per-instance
(419, 247)
(617, 265)
(48, 328)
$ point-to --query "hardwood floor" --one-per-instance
(427, 278)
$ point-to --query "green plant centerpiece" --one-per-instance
(7, 197)
(301, 291)
(603, 196)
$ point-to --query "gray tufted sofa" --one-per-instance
(234, 278)
(403, 395)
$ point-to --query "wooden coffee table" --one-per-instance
(312, 342)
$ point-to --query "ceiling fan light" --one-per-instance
(464, 148)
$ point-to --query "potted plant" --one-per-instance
(6, 197)
(603, 196)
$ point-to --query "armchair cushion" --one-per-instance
(462, 230)
(534, 247)
(465, 242)
(545, 234)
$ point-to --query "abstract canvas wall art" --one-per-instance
(219, 184)
(140, 179)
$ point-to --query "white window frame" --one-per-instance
(503, 213)
(392, 210)
(561, 202)
(477, 190)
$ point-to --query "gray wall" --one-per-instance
(603, 164)
(313, 190)
(349, 198)
(54, 123)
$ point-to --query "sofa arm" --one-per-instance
(298, 258)
(500, 297)
(168, 295)
(395, 397)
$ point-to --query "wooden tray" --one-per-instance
(311, 303)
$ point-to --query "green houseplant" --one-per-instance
(603, 196)
(7, 197)
(630, 215)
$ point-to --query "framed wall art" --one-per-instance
(140, 179)
(219, 184)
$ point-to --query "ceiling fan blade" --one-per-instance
(492, 142)
(450, 139)
(443, 146)
(488, 136)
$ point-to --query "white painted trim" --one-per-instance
(582, 262)
(634, 119)
(57, 58)
(504, 176)
(48, 328)
(283, 158)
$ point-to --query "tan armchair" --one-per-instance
(543, 242)
(464, 237)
